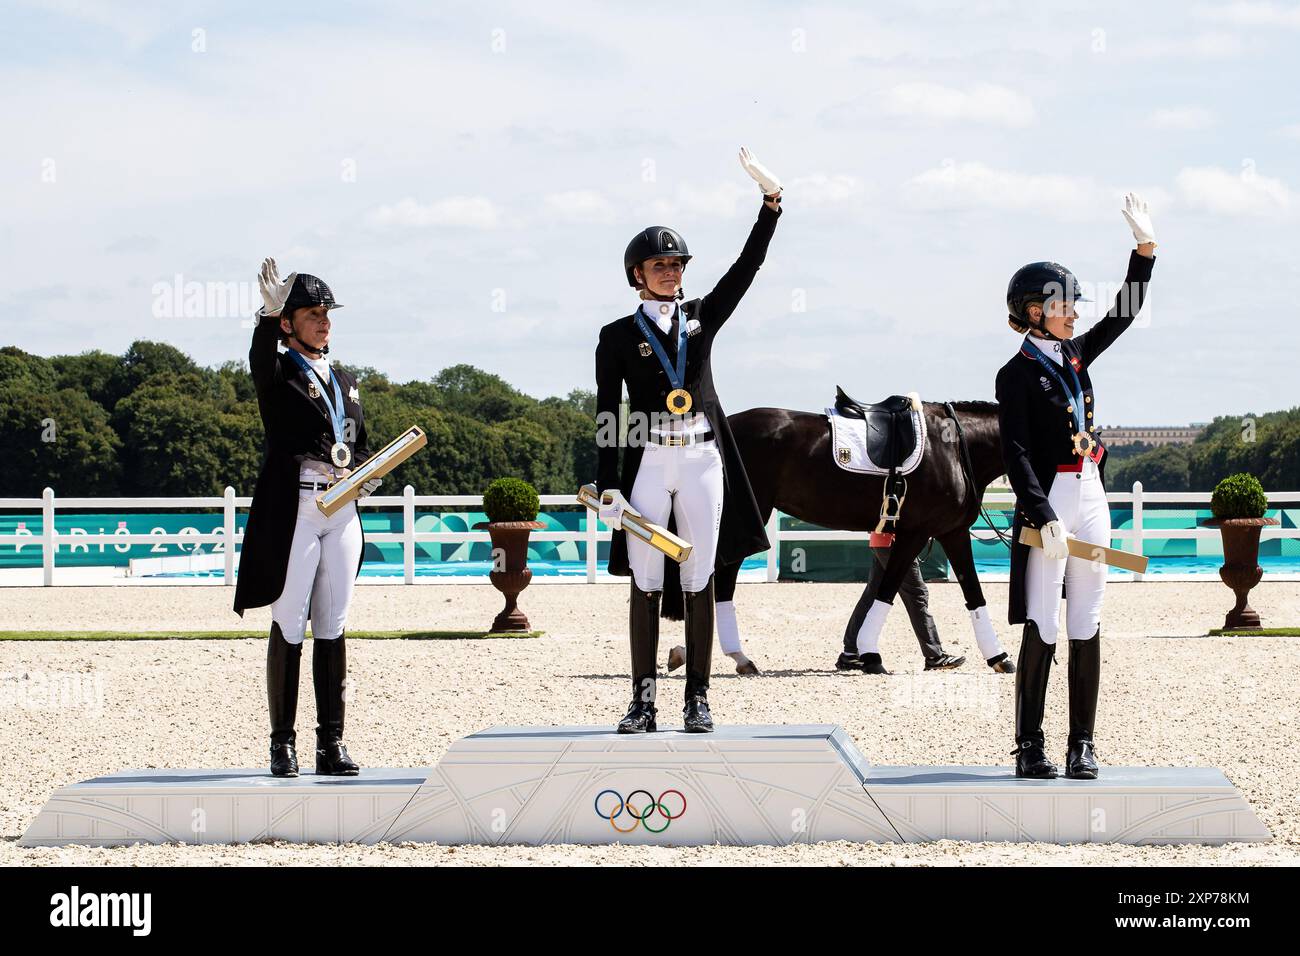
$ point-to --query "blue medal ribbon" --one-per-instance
(676, 376)
(336, 410)
(1075, 395)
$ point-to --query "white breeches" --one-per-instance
(1079, 501)
(685, 481)
(322, 572)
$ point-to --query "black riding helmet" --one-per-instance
(308, 291)
(653, 242)
(1035, 284)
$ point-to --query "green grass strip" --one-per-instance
(1258, 632)
(245, 635)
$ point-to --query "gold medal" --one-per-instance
(1083, 444)
(679, 401)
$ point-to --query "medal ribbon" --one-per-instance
(335, 410)
(1075, 395)
(676, 376)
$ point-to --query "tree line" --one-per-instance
(1267, 446)
(153, 422)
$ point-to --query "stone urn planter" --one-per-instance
(1241, 570)
(1239, 504)
(511, 506)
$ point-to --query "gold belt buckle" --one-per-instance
(674, 441)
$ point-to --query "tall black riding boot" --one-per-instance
(1031, 696)
(329, 665)
(696, 718)
(282, 660)
(643, 633)
(1085, 681)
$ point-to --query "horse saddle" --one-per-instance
(878, 439)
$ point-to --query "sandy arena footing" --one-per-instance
(1170, 698)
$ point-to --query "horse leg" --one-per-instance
(724, 584)
(916, 599)
(725, 618)
(907, 546)
(956, 544)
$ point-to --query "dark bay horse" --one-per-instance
(788, 458)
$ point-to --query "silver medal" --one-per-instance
(340, 454)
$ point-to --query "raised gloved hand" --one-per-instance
(368, 487)
(765, 178)
(612, 504)
(274, 291)
(1139, 219)
(1054, 546)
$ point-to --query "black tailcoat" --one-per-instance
(620, 359)
(297, 427)
(1037, 427)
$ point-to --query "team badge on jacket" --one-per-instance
(354, 395)
(644, 349)
(312, 390)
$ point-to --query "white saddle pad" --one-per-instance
(849, 444)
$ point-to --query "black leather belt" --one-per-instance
(313, 485)
(676, 441)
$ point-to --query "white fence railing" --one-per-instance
(50, 539)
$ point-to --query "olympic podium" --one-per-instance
(742, 786)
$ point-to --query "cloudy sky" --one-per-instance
(466, 175)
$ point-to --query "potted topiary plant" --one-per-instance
(1239, 504)
(511, 507)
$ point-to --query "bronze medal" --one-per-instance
(679, 401)
(1084, 444)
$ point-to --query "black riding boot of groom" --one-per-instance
(282, 660)
(696, 718)
(643, 632)
(1085, 681)
(329, 665)
(1031, 696)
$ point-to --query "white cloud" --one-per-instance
(135, 25)
(464, 212)
(698, 202)
(981, 103)
(975, 185)
(1201, 46)
(1186, 118)
(581, 206)
(799, 357)
(1251, 14)
(1244, 193)
(819, 189)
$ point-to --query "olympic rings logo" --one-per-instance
(650, 806)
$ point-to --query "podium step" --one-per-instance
(741, 786)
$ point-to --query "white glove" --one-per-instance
(1139, 219)
(1054, 546)
(274, 292)
(765, 178)
(368, 487)
(612, 504)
